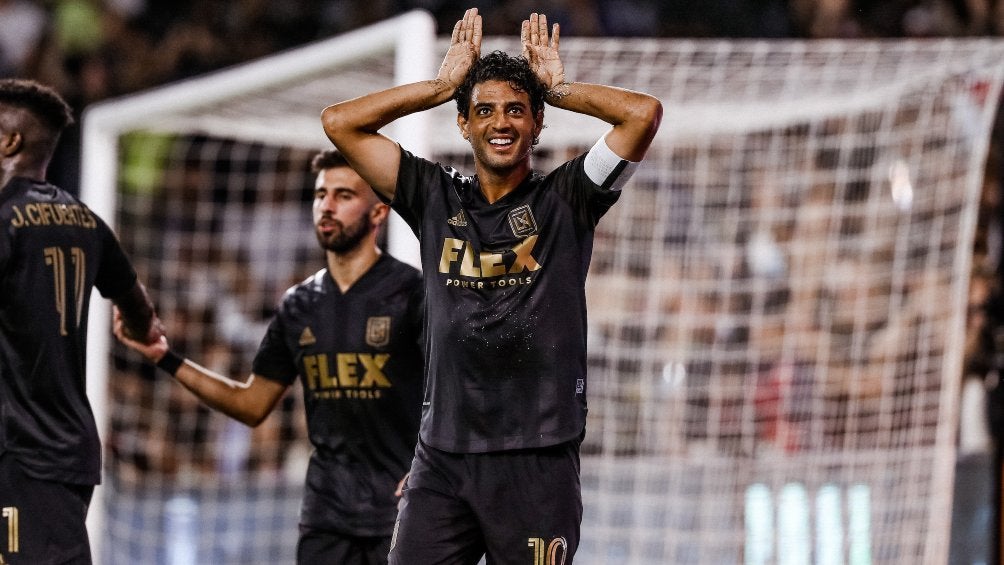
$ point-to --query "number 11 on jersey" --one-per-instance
(55, 257)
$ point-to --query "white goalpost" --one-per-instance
(231, 104)
(776, 304)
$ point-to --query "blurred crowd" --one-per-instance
(96, 49)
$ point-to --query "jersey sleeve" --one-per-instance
(415, 178)
(607, 169)
(115, 273)
(589, 200)
(274, 360)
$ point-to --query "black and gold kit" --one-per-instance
(505, 288)
(496, 470)
(359, 358)
(53, 251)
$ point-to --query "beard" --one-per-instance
(345, 238)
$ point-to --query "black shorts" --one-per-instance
(320, 546)
(519, 507)
(41, 522)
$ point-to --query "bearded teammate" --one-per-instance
(505, 253)
(351, 332)
(53, 251)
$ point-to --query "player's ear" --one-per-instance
(11, 143)
(379, 213)
(464, 126)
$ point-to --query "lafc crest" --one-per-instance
(522, 222)
(378, 331)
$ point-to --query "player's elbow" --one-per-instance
(250, 412)
(336, 123)
(252, 418)
(648, 114)
(642, 125)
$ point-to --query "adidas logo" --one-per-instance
(459, 220)
(307, 337)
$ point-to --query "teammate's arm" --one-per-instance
(635, 116)
(353, 126)
(248, 402)
(139, 321)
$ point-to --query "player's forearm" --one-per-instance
(635, 116)
(137, 313)
(220, 393)
(367, 114)
(353, 127)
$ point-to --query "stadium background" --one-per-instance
(93, 51)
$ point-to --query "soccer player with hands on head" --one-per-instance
(352, 334)
(505, 254)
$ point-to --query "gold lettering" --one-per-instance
(450, 248)
(347, 370)
(45, 210)
(374, 375)
(467, 266)
(327, 381)
(44, 214)
(64, 215)
(310, 368)
(486, 264)
(69, 215)
(523, 258)
(491, 264)
(31, 210)
(18, 220)
(88, 219)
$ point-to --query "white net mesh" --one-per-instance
(776, 303)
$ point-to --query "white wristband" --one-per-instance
(606, 169)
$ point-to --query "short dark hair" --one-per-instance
(42, 101)
(499, 65)
(328, 159)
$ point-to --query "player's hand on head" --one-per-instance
(540, 49)
(465, 48)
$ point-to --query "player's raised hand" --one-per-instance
(541, 50)
(465, 48)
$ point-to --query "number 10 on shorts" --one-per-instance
(548, 552)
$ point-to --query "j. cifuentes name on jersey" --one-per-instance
(346, 375)
(48, 214)
(488, 269)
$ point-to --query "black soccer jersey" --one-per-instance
(53, 251)
(359, 359)
(505, 292)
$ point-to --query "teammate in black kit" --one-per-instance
(496, 470)
(53, 251)
(352, 333)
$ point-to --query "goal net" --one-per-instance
(776, 304)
